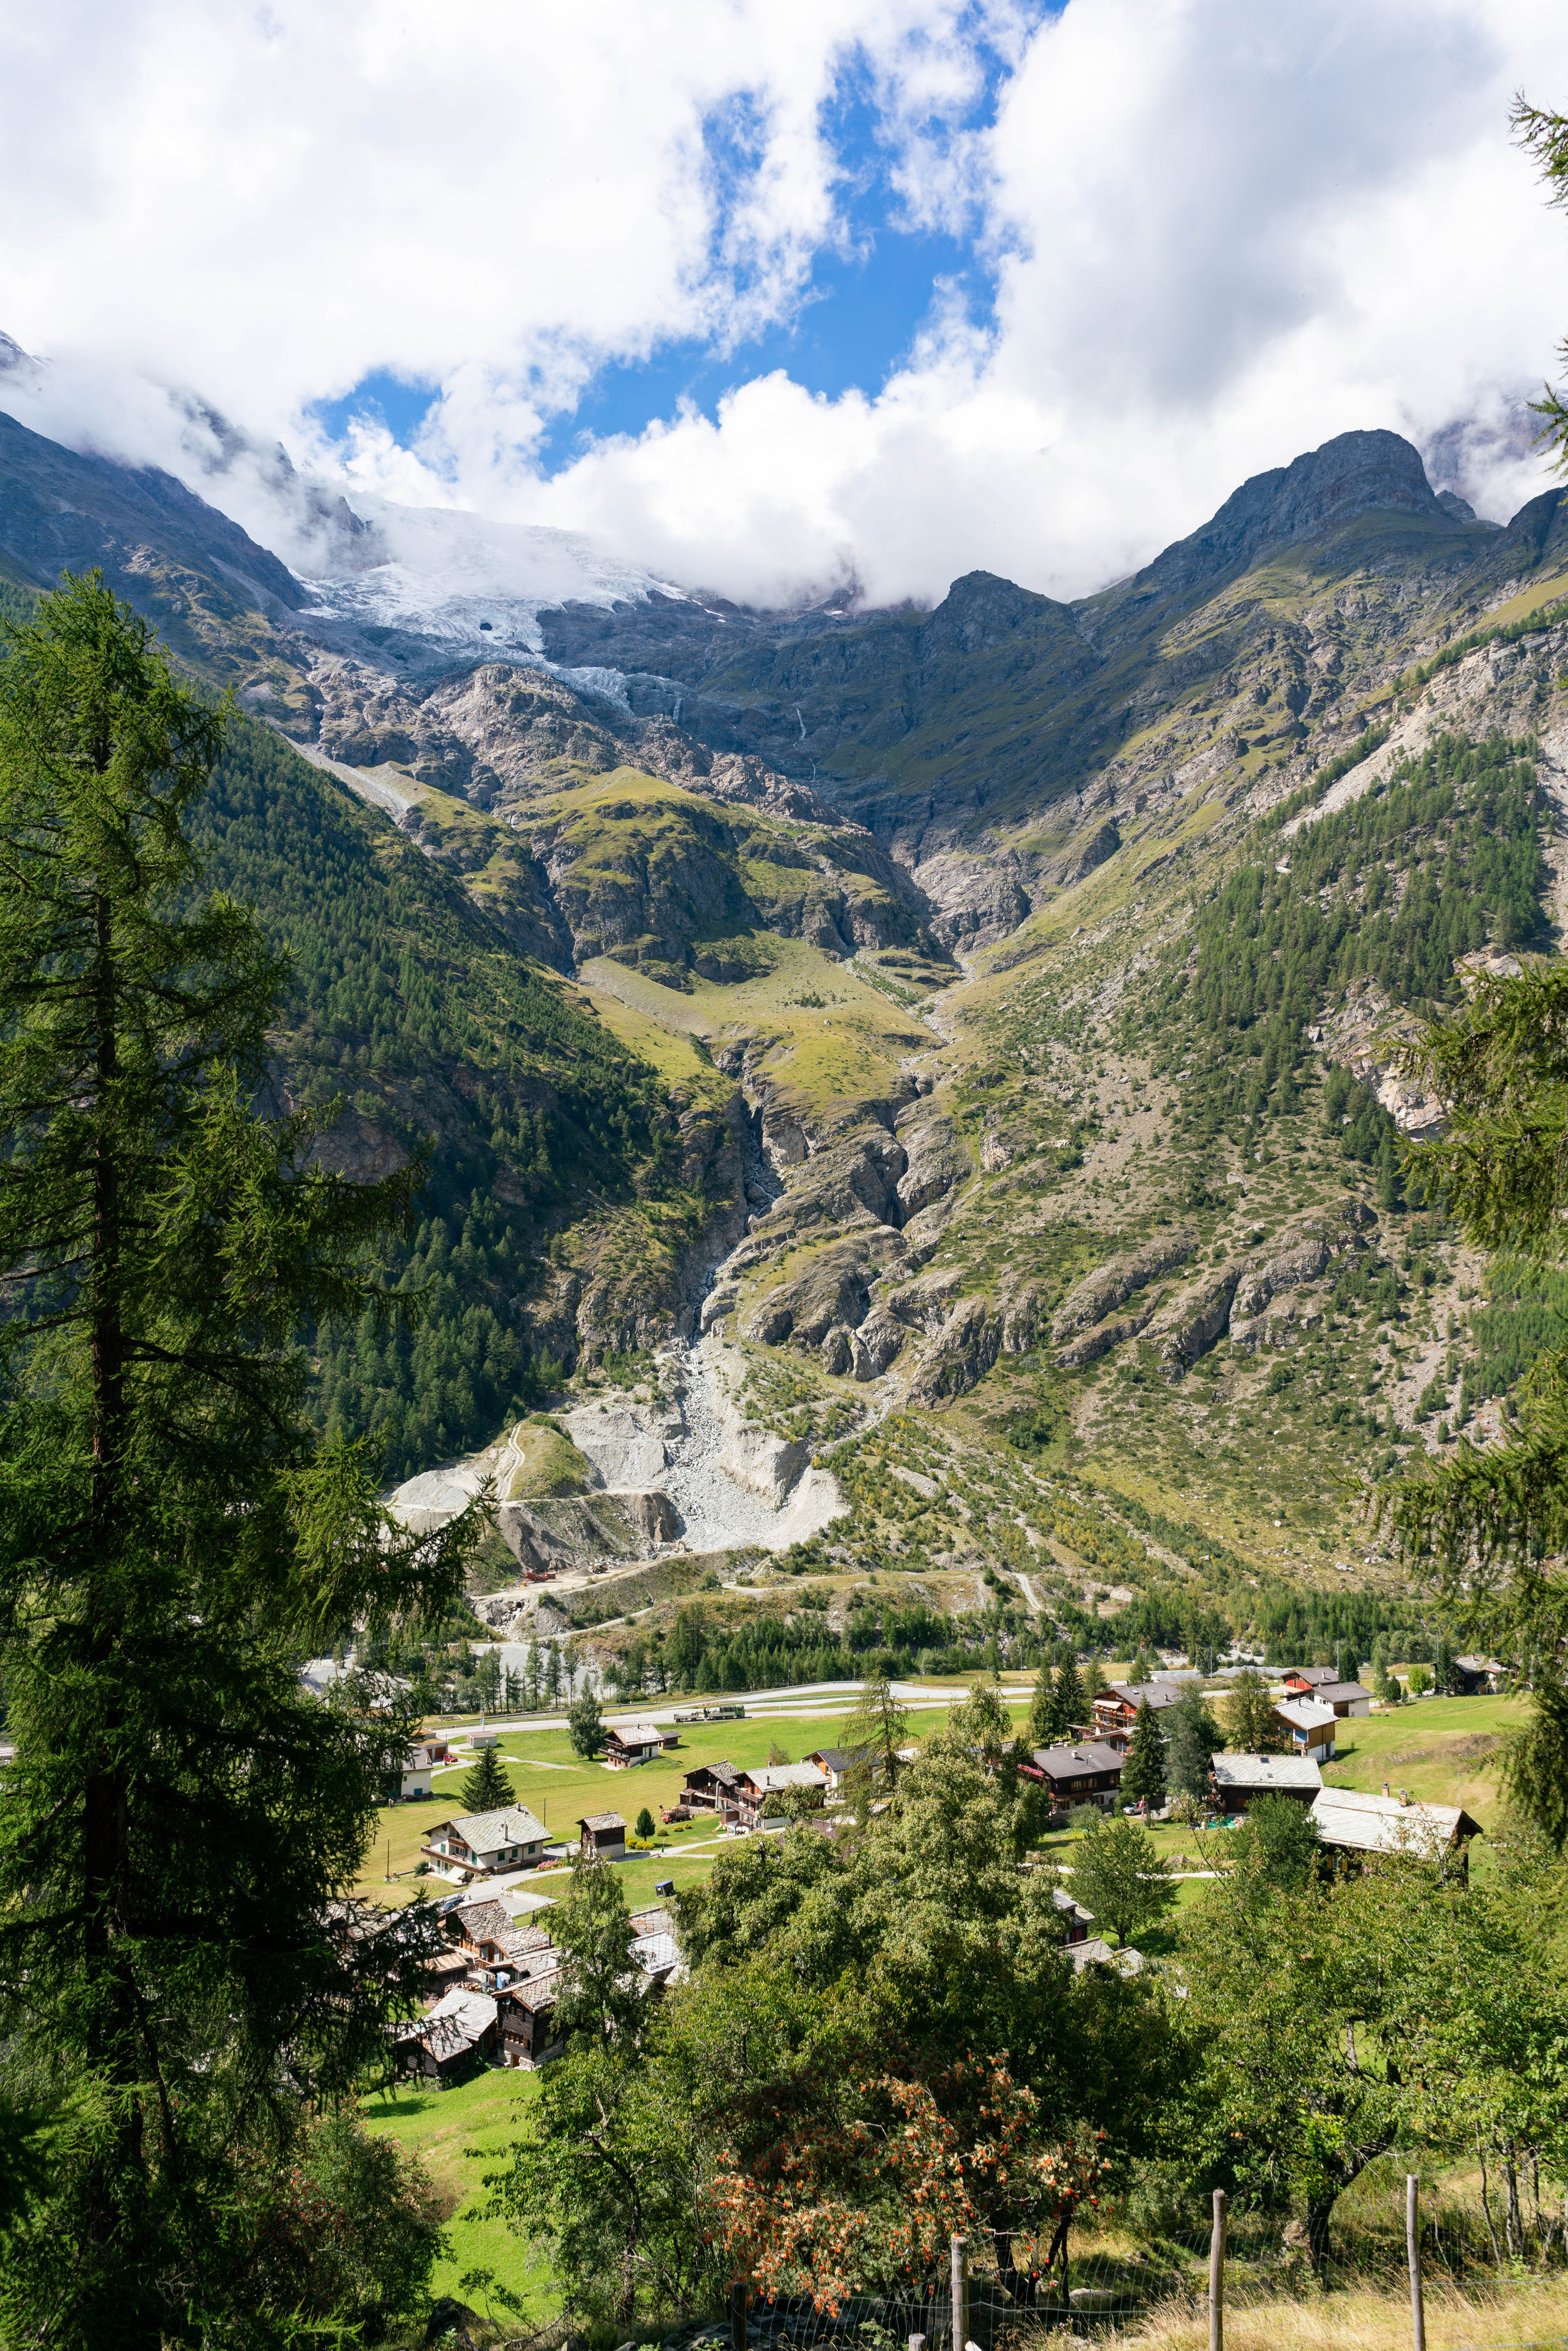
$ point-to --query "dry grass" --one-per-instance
(1363, 2320)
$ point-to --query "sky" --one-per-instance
(850, 295)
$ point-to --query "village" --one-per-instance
(494, 1989)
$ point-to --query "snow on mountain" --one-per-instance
(478, 585)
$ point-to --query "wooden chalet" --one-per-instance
(602, 1836)
(1351, 1825)
(1311, 1727)
(629, 1743)
(712, 1787)
(485, 1844)
(1087, 1774)
(457, 2036)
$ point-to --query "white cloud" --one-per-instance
(1220, 233)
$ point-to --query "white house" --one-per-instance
(483, 1845)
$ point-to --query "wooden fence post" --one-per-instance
(1216, 2274)
(1413, 2247)
(960, 2293)
(737, 2316)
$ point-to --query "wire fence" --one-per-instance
(1476, 2266)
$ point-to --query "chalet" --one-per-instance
(1477, 1676)
(629, 1743)
(712, 1787)
(529, 2035)
(1242, 1779)
(1345, 1697)
(1090, 1774)
(1079, 1920)
(485, 1844)
(1351, 1825)
(1098, 1953)
(416, 1776)
(837, 1763)
(771, 1783)
(457, 2036)
(1310, 1726)
(1301, 1681)
(1117, 1707)
(498, 1947)
(603, 1837)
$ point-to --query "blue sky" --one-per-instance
(1188, 239)
(848, 325)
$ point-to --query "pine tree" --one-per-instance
(1042, 1731)
(184, 1824)
(1144, 1772)
(1071, 1702)
(1193, 1739)
(485, 1787)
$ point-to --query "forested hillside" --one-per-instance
(435, 1035)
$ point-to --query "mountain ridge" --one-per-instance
(913, 916)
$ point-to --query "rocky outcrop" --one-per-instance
(763, 1464)
(1083, 1352)
(1193, 1321)
(961, 1353)
(936, 1159)
(1112, 1284)
(835, 1288)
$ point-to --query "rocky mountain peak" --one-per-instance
(1323, 489)
(980, 611)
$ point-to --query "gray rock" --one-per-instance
(625, 1449)
(1193, 1321)
(763, 1464)
(937, 1161)
(1102, 1339)
(960, 1354)
(1112, 1284)
(652, 1516)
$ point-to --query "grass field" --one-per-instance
(458, 2134)
(1443, 1750)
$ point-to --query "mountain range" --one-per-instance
(1006, 998)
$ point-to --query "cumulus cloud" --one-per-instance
(1216, 234)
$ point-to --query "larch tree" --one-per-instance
(183, 1969)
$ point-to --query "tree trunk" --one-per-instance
(1319, 2213)
(1514, 2219)
(106, 1888)
(1486, 2207)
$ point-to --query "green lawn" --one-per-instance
(1443, 1750)
(460, 2134)
(559, 1787)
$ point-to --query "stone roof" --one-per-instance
(601, 1821)
(459, 2020)
(1071, 1763)
(1339, 1693)
(772, 1779)
(1265, 1772)
(635, 1734)
(1362, 1823)
(489, 1831)
(1304, 1713)
(481, 1919)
